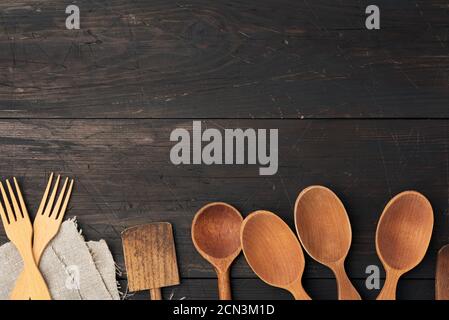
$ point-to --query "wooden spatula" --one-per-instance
(150, 258)
(442, 275)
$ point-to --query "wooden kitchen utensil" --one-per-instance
(442, 274)
(273, 252)
(150, 258)
(45, 226)
(402, 237)
(216, 236)
(20, 231)
(325, 232)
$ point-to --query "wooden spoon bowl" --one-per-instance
(402, 237)
(325, 232)
(273, 252)
(216, 236)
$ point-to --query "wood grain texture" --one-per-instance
(18, 228)
(402, 237)
(124, 177)
(46, 226)
(216, 236)
(150, 258)
(323, 226)
(442, 274)
(273, 252)
(225, 59)
(256, 289)
(233, 59)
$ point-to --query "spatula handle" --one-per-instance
(224, 285)
(346, 290)
(156, 294)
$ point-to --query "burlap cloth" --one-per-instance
(73, 269)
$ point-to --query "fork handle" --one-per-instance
(31, 283)
(20, 290)
(35, 287)
(24, 291)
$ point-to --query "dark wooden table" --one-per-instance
(363, 112)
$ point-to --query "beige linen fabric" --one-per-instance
(73, 269)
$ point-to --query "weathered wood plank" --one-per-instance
(124, 177)
(255, 289)
(230, 59)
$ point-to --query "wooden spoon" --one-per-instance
(273, 252)
(215, 234)
(325, 232)
(402, 237)
(442, 274)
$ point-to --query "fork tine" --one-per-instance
(17, 211)
(59, 201)
(11, 216)
(44, 198)
(22, 203)
(52, 198)
(3, 216)
(66, 201)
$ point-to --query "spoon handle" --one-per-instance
(224, 285)
(346, 290)
(388, 291)
(298, 292)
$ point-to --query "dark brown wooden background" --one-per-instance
(363, 112)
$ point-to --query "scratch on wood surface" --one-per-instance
(244, 34)
(17, 8)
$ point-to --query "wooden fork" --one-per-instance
(19, 230)
(46, 225)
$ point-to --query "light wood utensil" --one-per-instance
(273, 252)
(20, 231)
(325, 232)
(216, 236)
(442, 274)
(46, 225)
(402, 237)
(150, 258)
